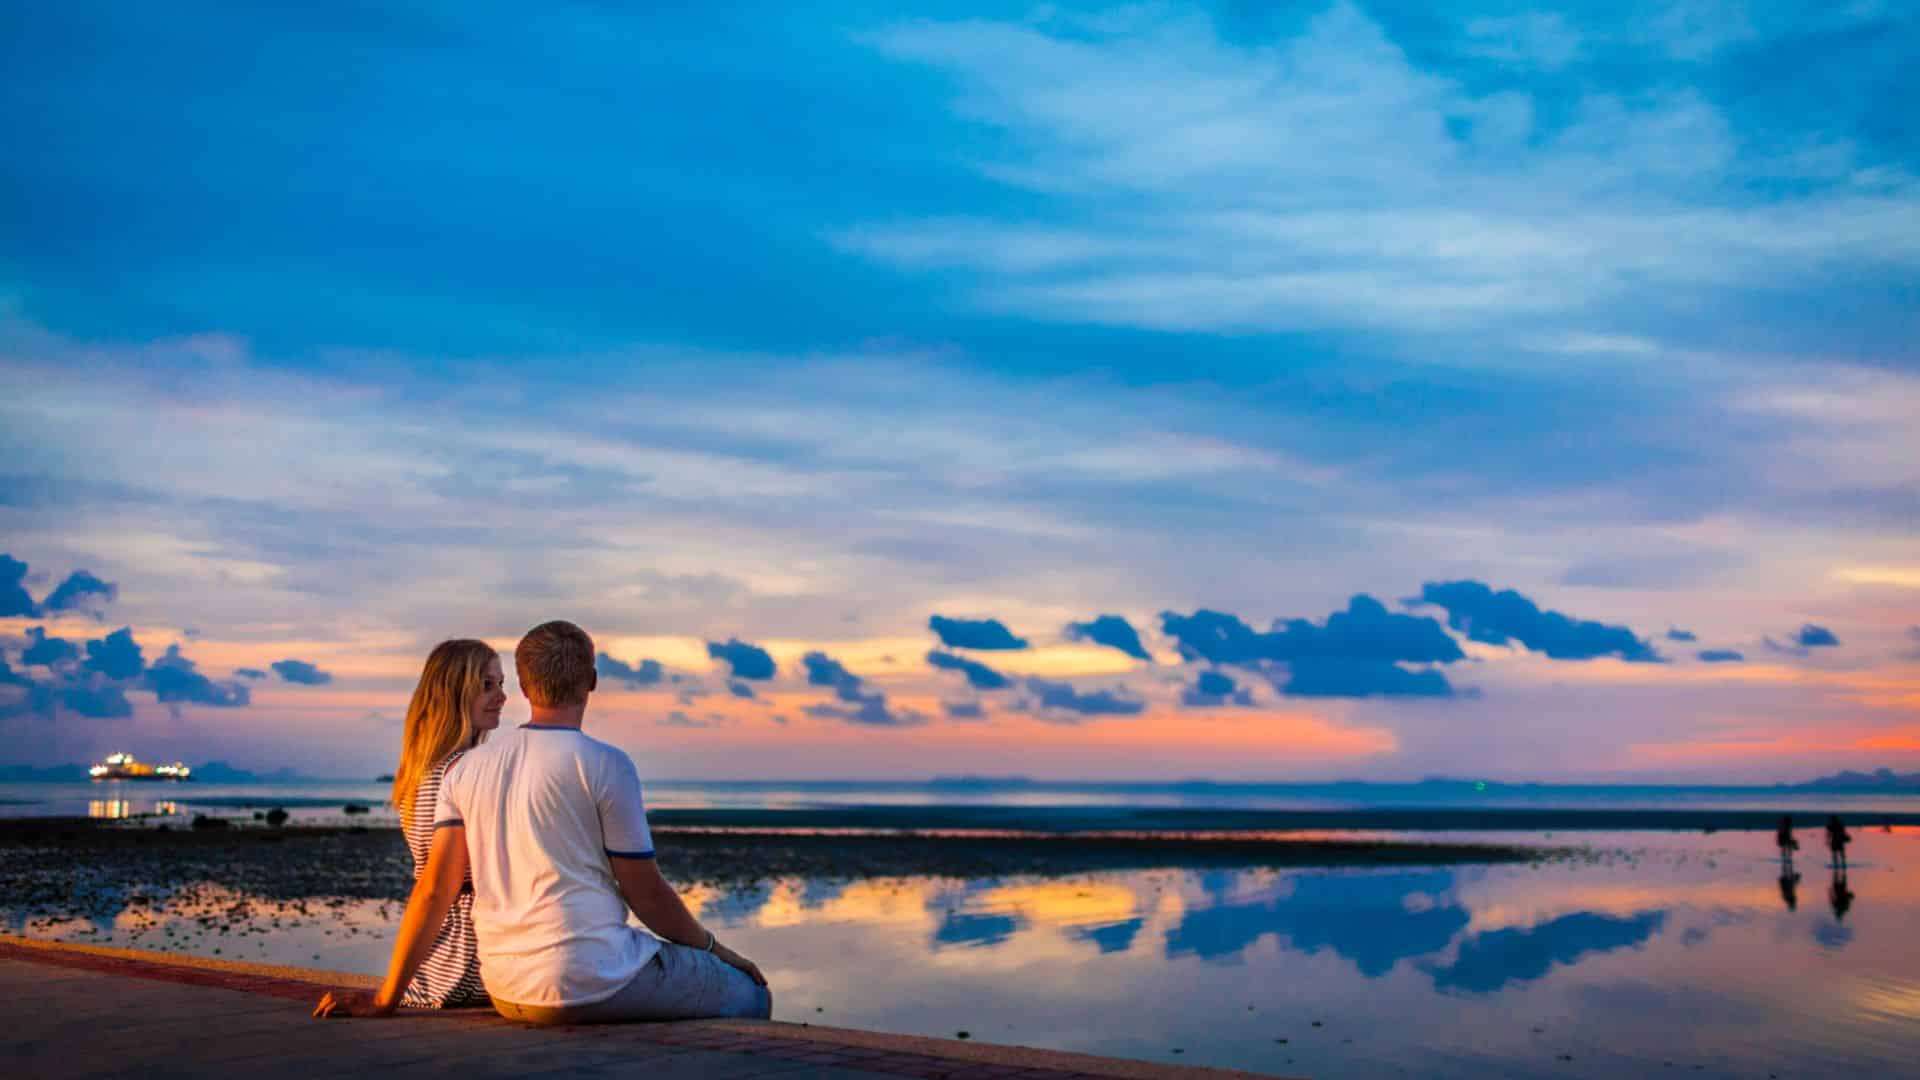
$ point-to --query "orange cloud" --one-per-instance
(1766, 745)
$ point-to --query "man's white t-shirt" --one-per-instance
(545, 808)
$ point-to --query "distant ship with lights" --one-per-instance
(125, 767)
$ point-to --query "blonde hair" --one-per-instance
(440, 716)
(555, 664)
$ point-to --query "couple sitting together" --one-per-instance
(528, 852)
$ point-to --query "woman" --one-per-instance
(459, 698)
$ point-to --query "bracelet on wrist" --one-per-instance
(710, 941)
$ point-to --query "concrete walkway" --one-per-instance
(86, 1011)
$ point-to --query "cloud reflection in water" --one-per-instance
(1373, 920)
(1489, 961)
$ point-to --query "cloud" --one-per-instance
(1720, 656)
(679, 719)
(74, 594)
(979, 675)
(1062, 697)
(1804, 641)
(300, 672)
(824, 670)
(31, 700)
(1499, 618)
(1214, 688)
(1913, 635)
(740, 689)
(44, 651)
(982, 634)
(1366, 629)
(1815, 637)
(864, 706)
(77, 591)
(97, 686)
(96, 698)
(1112, 631)
(14, 598)
(649, 673)
(1676, 634)
(1481, 193)
(1649, 570)
(175, 680)
(1358, 677)
(116, 656)
(963, 710)
(248, 673)
(871, 711)
(746, 661)
(1357, 653)
(1532, 40)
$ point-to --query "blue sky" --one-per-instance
(327, 334)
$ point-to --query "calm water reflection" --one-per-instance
(1694, 950)
(116, 809)
(1678, 949)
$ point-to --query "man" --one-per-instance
(551, 824)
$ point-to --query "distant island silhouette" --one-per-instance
(1877, 780)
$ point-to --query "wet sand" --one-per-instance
(82, 868)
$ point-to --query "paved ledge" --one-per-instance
(87, 1011)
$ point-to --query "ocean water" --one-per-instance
(318, 801)
(1648, 953)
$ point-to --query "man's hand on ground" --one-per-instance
(741, 962)
(350, 1003)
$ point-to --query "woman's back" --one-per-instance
(450, 976)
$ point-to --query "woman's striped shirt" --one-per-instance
(450, 976)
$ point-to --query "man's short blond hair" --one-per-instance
(555, 664)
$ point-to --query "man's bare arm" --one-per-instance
(654, 900)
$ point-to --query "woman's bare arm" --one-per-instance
(434, 892)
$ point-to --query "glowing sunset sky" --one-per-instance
(1150, 392)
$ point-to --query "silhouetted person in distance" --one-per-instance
(1839, 896)
(1789, 877)
(1837, 841)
